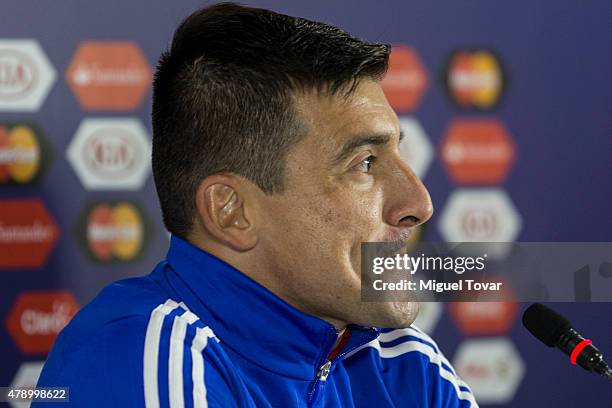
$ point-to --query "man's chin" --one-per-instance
(393, 315)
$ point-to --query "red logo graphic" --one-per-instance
(27, 233)
(477, 151)
(37, 318)
(406, 79)
(483, 318)
(109, 75)
(18, 74)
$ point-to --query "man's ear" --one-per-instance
(221, 206)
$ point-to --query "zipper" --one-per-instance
(325, 369)
(321, 377)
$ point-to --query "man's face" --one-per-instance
(345, 184)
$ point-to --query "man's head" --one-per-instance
(275, 149)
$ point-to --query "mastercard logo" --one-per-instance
(475, 79)
(114, 231)
(20, 154)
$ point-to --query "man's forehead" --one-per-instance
(334, 119)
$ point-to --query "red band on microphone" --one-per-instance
(578, 349)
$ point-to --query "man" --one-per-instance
(275, 155)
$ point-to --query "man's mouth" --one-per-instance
(398, 240)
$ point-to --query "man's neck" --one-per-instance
(261, 278)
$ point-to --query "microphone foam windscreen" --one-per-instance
(545, 324)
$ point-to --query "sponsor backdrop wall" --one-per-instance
(507, 111)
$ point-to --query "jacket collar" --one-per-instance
(249, 319)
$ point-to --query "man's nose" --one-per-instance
(410, 202)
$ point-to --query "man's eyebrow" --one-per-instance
(362, 140)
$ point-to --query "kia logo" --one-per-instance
(479, 224)
(18, 75)
(110, 152)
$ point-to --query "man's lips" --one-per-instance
(396, 240)
(399, 236)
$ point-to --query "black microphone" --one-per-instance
(555, 330)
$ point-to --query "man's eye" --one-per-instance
(365, 164)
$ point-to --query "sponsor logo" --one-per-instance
(483, 318)
(107, 75)
(36, 318)
(477, 151)
(479, 224)
(113, 231)
(415, 147)
(475, 79)
(481, 215)
(492, 367)
(111, 154)
(18, 74)
(26, 378)
(26, 76)
(21, 154)
(27, 233)
(406, 79)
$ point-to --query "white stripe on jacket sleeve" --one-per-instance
(151, 349)
(197, 369)
(175, 358)
(180, 326)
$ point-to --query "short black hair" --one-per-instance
(223, 97)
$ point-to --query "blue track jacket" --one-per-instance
(196, 332)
